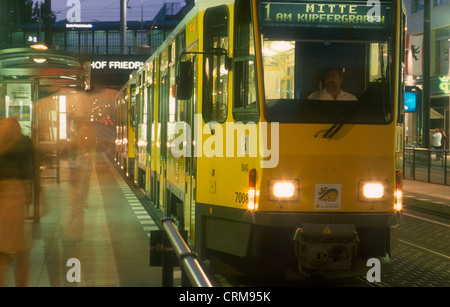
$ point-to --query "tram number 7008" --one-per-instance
(241, 198)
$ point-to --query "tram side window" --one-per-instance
(133, 106)
(180, 105)
(143, 109)
(245, 107)
(215, 78)
(139, 107)
(151, 102)
(124, 118)
(172, 102)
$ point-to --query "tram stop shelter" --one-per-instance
(40, 87)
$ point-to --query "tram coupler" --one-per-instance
(320, 247)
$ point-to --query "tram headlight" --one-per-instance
(398, 205)
(283, 189)
(370, 190)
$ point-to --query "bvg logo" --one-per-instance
(328, 194)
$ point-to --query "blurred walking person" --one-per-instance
(16, 174)
(81, 161)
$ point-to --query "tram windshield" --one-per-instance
(324, 62)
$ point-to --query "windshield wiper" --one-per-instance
(378, 86)
(342, 119)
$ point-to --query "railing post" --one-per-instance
(167, 266)
(445, 166)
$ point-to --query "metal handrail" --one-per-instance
(411, 164)
(188, 260)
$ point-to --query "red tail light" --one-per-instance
(398, 202)
(399, 180)
(252, 178)
(252, 205)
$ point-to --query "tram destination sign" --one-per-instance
(366, 14)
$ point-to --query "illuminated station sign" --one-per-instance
(444, 84)
(356, 14)
(114, 69)
(116, 65)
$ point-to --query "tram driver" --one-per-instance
(332, 80)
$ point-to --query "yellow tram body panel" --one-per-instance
(345, 162)
(130, 136)
(339, 165)
(125, 134)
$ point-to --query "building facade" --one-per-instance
(100, 42)
(439, 67)
(97, 45)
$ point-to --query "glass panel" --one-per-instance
(215, 89)
(331, 70)
(279, 67)
(245, 108)
(100, 42)
(304, 84)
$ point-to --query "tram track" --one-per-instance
(422, 255)
(428, 219)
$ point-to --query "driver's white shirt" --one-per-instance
(324, 95)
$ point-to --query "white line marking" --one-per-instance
(143, 217)
(424, 219)
(150, 228)
(424, 248)
(147, 222)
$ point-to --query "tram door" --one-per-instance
(163, 120)
(186, 110)
(191, 160)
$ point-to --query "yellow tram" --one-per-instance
(125, 103)
(272, 131)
